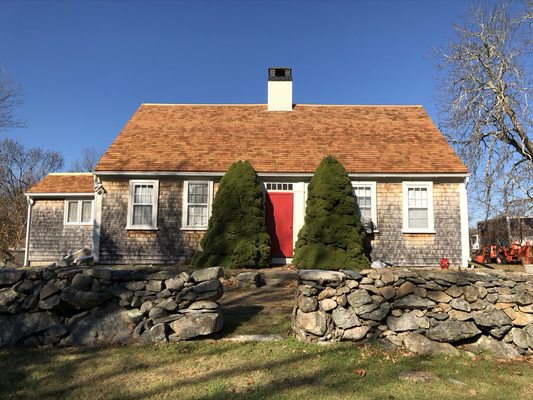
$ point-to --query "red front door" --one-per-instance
(279, 222)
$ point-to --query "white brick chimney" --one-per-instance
(279, 89)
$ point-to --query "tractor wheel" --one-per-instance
(500, 259)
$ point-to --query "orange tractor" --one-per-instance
(515, 253)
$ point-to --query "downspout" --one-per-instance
(97, 216)
(28, 231)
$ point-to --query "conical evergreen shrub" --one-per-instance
(332, 236)
(236, 236)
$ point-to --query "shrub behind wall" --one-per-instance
(332, 236)
(236, 235)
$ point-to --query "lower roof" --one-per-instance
(64, 183)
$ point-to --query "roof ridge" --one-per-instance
(70, 173)
(200, 104)
(362, 105)
(265, 104)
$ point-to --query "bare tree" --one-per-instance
(10, 98)
(485, 104)
(20, 168)
(89, 158)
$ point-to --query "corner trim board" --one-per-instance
(465, 242)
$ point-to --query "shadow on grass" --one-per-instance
(235, 316)
(210, 371)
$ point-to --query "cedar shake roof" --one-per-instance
(208, 138)
(79, 182)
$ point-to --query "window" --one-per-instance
(197, 204)
(365, 193)
(142, 209)
(78, 212)
(278, 186)
(418, 207)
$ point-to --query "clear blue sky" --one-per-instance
(85, 66)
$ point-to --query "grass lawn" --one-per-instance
(286, 369)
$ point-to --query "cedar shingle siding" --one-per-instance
(50, 237)
(418, 249)
(167, 244)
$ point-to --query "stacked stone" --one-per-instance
(89, 306)
(420, 309)
(80, 257)
(247, 280)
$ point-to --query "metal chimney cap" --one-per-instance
(280, 74)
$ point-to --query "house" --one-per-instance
(156, 182)
(61, 214)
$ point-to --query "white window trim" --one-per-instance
(279, 190)
(185, 205)
(65, 212)
(406, 185)
(374, 204)
(155, 201)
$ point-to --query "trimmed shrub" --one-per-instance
(332, 236)
(236, 236)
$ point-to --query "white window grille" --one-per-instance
(365, 193)
(418, 207)
(78, 212)
(278, 186)
(142, 210)
(197, 204)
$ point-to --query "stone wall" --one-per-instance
(92, 306)
(423, 310)
(403, 249)
(50, 238)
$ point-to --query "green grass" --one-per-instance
(286, 369)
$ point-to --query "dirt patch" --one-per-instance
(263, 310)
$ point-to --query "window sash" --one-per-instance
(197, 215)
(86, 211)
(143, 205)
(78, 212)
(143, 194)
(418, 218)
(196, 204)
(72, 213)
(418, 207)
(366, 212)
(278, 186)
(418, 197)
(198, 193)
(142, 214)
(365, 193)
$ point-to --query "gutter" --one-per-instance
(56, 195)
